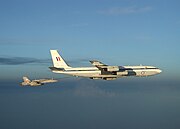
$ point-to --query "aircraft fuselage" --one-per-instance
(95, 73)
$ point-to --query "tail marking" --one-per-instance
(58, 58)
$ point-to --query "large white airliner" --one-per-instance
(100, 70)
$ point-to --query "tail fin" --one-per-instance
(26, 80)
(58, 61)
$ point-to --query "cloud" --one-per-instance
(4, 60)
(125, 10)
(21, 60)
(91, 89)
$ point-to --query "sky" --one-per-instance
(116, 32)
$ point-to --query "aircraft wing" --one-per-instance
(97, 63)
(103, 67)
(42, 81)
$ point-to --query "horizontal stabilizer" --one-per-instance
(97, 63)
(56, 69)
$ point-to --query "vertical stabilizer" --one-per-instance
(26, 80)
(58, 61)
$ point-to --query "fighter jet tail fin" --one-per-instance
(26, 80)
(58, 61)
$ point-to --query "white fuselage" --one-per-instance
(94, 72)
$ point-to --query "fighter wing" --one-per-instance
(103, 67)
(42, 81)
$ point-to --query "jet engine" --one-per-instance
(122, 73)
(112, 68)
(110, 78)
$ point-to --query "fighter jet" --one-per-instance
(27, 82)
(100, 70)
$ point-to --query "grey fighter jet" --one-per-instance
(27, 82)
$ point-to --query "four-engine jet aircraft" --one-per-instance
(39, 82)
(100, 70)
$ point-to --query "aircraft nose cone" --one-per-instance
(159, 71)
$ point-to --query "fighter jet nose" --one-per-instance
(159, 71)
